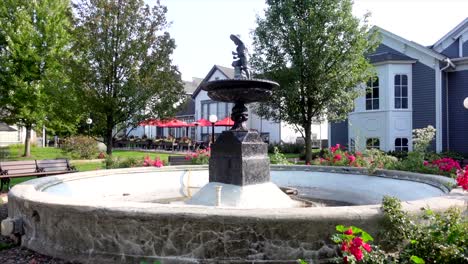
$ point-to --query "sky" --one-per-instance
(201, 28)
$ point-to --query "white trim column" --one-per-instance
(438, 117)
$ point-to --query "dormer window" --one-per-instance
(372, 94)
(401, 91)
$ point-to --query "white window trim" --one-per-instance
(408, 92)
(394, 144)
(373, 98)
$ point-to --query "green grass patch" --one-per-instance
(16, 153)
(140, 154)
(90, 166)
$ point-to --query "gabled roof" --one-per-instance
(191, 86)
(454, 32)
(388, 56)
(227, 72)
(412, 44)
(6, 128)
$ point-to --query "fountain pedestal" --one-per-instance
(239, 158)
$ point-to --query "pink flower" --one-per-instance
(351, 159)
(348, 232)
(158, 163)
(426, 163)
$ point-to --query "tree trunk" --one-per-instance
(27, 142)
(308, 143)
(108, 137)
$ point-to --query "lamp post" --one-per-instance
(196, 130)
(89, 121)
(212, 119)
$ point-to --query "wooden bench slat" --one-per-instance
(17, 169)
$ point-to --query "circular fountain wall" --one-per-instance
(132, 215)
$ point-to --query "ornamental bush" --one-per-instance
(80, 147)
(201, 156)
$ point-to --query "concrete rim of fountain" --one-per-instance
(110, 232)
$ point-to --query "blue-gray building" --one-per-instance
(415, 86)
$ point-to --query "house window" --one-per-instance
(373, 143)
(401, 91)
(372, 94)
(401, 144)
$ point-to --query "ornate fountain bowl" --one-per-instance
(240, 90)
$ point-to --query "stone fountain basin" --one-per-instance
(110, 216)
(240, 90)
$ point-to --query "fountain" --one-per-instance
(239, 163)
(228, 212)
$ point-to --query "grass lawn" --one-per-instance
(16, 152)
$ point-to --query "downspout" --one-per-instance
(449, 64)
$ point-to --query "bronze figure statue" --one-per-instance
(241, 56)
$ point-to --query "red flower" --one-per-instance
(348, 232)
(367, 247)
(337, 157)
(351, 159)
(357, 253)
(344, 246)
(426, 163)
(462, 179)
(335, 148)
(357, 241)
(345, 259)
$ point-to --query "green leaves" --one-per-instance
(34, 48)
(315, 51)
(124, 72)
(417, 260)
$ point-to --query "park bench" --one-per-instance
(27, 168)
(179, 160)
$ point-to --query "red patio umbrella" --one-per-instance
(176, 123)
(225, 122)
(202, 122)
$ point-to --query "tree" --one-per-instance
(316, 50)
(34, 45)
(124, 72)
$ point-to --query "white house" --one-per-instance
(10, 135)
(415, 86)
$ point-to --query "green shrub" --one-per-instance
(120, 163)
(80, 147)
(379, 160)
(433, 237)
(278, 157)
(400, 155)
(4, 153)
(296, 148)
